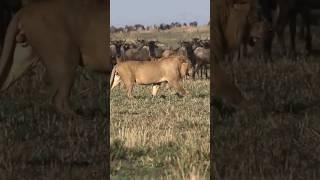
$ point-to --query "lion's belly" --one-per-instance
(149, 77)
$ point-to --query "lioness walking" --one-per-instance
(170, 69)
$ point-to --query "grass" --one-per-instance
(166, 137)
(162, 137)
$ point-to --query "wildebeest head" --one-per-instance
(131, 45)
(205, 43)
(118, 44)
(187, 46)
(152, 47)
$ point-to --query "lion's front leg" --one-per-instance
(155, 89)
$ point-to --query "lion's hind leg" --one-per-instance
(129, 87)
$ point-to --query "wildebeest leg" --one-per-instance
(177, 87)
(201, 71)
(243, 50)
(293, 36)
(267, 44)
(302, 28)
(280, 26)
(196, 69)
(206, 66)
(308, 38)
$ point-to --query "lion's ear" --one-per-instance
(184, 69)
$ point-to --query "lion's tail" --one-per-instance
(113, 73)
(7, 53)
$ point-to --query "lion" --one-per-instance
(170, 69)
(228, 33)
(58, 33)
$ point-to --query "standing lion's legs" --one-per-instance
(62, 77)
(177, 87)
(129, 87)
(61, 100)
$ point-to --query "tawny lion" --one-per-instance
(170, 69)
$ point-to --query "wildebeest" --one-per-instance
(128, 28)
(287, 14)
(164, 26)
(113, 29)
(139, 27)
(115, 51)
(199, 56)
(146, 50)
(193, 24)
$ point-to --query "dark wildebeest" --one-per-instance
(287, 14)
(202, 55)
(139, 27)
(129, 28)
(164, 26)
(144, 51)
(120, 29)
(314, 16)
(193, 24)
(198, 56)
(115, 49)
(113, 29)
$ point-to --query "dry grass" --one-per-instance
(166, 137)
(160, 137)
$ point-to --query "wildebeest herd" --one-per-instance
(160, 27)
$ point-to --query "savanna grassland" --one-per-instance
(37, 143)
(166, 137)
(282, 141)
